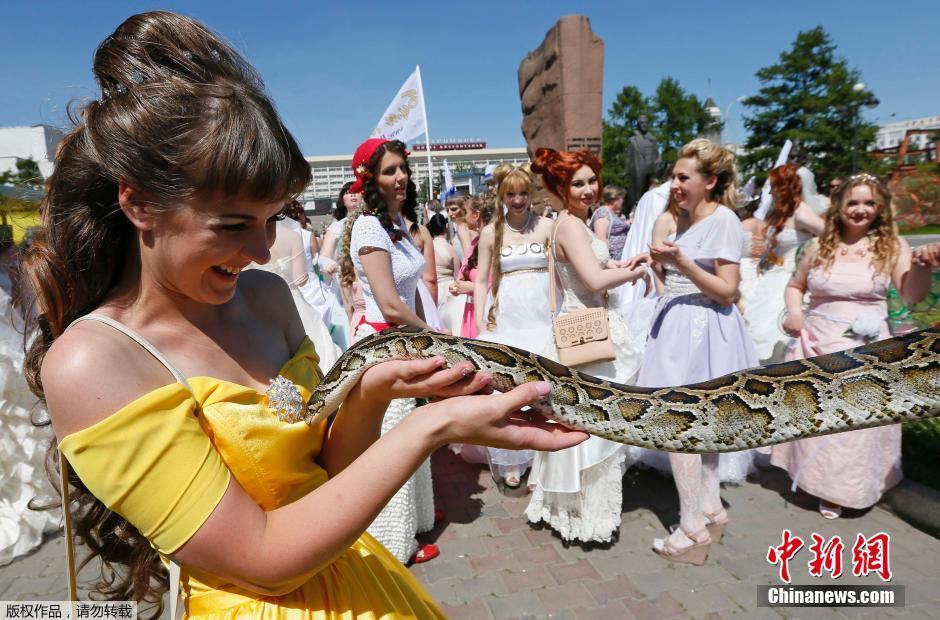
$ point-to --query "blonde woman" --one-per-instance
(697, 332)
(510, 294)
(847, 273)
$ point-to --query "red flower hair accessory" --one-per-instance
(360, 162)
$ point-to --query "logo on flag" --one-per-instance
(405, 117)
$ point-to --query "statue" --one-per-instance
(641, 161)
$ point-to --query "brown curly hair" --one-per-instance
(182, 115)
(882, 234)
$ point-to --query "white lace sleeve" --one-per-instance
(368, 233)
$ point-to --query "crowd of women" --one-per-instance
(171, 283)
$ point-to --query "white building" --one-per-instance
(37, 142)
(330, 172)
(891, 135)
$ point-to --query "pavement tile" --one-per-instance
(494, 563)
(613, 590)
(533, 578)
(700, 601)
(505, 543)
(614, 611)
(568, 596)
(518, 605)
(538, 555)
(663, 607)
(610, 567)
(441, 568)
(511, 524)
(477, 610)
(578, 571)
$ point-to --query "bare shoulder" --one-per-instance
(92, 371)
(488, 234)
(269, 299)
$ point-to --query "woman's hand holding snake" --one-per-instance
(497, 420)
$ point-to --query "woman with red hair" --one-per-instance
(578, 491)
(791, 223)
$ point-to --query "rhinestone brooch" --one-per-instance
(285, 400)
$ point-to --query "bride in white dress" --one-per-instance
(578, 491)
(791, 223)
(514, 309)
(22, 445)
(289, 261)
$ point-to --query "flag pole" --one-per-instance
(427, 134)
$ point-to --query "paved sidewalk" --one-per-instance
(494, 565)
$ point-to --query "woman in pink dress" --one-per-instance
(847, 273)
(468, 270)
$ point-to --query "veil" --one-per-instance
(290, 261)
(288, 258)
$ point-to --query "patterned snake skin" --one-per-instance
(881, 383)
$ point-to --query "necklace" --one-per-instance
(844, 250)
(518, 231)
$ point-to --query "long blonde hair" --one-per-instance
(508, 178)
(882, 234)
(714, 160)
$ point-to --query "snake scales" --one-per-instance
(885, 382)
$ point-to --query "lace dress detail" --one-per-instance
(578, 491)
(407, 263)
(411, 509)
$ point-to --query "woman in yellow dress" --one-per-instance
(154, 353)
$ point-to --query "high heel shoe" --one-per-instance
(829, 511)
(696, 554)
(716, 526)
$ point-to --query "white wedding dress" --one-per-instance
(22, 449)
(765, 308)
(523, 319)
(578, 491)
(289, 261)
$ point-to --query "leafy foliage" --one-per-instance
(27, 174)
(920, 446)
(675, 116)
(808, 97)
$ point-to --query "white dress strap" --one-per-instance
(139, 339)
(173, 568)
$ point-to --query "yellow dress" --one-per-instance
(164, 462)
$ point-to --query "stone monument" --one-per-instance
(641, 161)
(560, 84)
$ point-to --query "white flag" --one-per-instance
(405, 117)
(448, 177)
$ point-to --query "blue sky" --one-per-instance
(332, 68)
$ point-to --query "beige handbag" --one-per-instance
(581, 336)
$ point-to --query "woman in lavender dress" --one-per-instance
(697, 332)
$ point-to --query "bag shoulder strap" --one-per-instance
(553, 267)
(173, 568)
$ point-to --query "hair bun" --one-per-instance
(544, 158)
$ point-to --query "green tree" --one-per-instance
(627, 107)
(675, 115)
(27, 174)
(809, 96)
(680, 118)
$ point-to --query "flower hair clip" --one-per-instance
(363, 171)
(864, 176)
